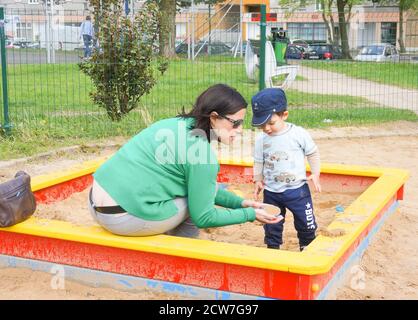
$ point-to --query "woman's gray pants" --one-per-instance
(126, 224)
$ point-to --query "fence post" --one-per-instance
(261, 80)
(7, 125)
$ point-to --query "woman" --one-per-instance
(164, 179)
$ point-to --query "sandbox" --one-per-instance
(200, 268)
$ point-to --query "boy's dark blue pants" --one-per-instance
(299, 201)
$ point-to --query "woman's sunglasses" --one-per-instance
(235, 123)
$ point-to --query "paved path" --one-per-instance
(326, 82)
(22, 56)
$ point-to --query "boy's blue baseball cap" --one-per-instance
(265, 103)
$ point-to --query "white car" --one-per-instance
(380, 52)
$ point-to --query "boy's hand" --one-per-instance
(258, 187)
(315, 181)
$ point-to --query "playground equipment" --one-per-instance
(201, 268)
(279, 43)
(271, 68)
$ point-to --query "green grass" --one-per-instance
(50, 104)
(404, 75)
(339, 117)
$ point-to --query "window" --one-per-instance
(389, 32)
(292, 50)
(24, 30)
(307, 31)
(72, 24)
(318, 5)
(33, 1)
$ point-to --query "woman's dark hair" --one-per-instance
(219, 98)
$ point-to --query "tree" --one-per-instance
(168, 10)
(167, 34)
(122, 69)
(344, 14)
(342, 23)
(404, 6)
(328, 18)
(326, 12)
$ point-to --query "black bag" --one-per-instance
(17, 202)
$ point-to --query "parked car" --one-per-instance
(19, 44)
(9, 44)
(379, 52)
(244, 47)
(217, 48)
(28, 44)
(300, 43)
(294, 52)
(323, 51)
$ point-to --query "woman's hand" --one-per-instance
(262, 216)
(258, 187)
(251, 204)
(315, 181)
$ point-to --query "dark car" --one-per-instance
(294, 52)
(24, 44)
(300, 43)
(219, 48)
(238, 50)
(323, 51)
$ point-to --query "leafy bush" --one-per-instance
(122, 66)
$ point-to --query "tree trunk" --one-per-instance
(331, 19)
(167, 34)
(329, 28)
(343, 29)
(327, 12)
(324, 17)
(401, 31)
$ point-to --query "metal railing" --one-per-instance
(47, 91)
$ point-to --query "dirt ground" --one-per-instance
(389, 264)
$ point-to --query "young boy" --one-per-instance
(279, 166)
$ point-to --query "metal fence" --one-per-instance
(47, 92)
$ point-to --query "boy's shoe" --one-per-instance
(302, 248)
(273, 247)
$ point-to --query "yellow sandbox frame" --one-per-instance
(318, 258)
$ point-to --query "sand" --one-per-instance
(20, 283)
(390, 263)
(388, 267)
(74, 209)
(252, 234)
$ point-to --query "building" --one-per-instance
(368, 23)
(34, 21)
(220, 23)
(43, 22)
